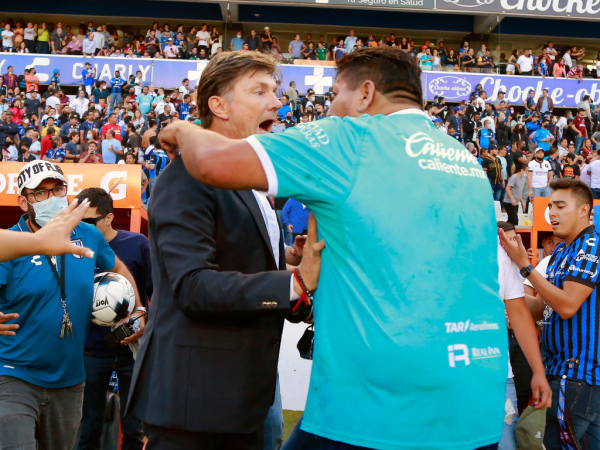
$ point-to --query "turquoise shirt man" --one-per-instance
(408, 321)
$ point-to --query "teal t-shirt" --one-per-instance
(36, 353)
(145, 102)
(410, 263)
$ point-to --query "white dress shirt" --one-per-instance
(274, 232)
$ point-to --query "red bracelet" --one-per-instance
(304, 298)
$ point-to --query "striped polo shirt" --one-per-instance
(577, 337)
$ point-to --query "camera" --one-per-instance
(121, 332)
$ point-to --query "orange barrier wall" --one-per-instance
(124, 180)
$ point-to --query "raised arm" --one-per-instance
(213, 159)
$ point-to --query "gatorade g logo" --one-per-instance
(458, 352)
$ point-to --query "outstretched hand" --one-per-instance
(168, 137)
(55, 236)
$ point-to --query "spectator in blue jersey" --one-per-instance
(117, 84)
(568, 303)
(295, 217)
(56, 153)
(155, 164)
(88, 74)
(542, 138)
(285, 108)
(42, 374)
(111, 148)
(486, 135)
(532, 126)
(99, 360)
(184, 107)
(69, 127)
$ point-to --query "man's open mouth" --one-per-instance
(265, 126)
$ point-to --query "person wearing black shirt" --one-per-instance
(24, 155)
(518, 158)
(267, 40)
(289, 121)
(502, 135)
(99, 360)
(571, 169)
(32, 104)
(493, 169)
(470, 128)
(332, 47)
(468, 60)
(253, 41)
(553, 160)
(568, 132)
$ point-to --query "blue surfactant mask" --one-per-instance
(46, 210)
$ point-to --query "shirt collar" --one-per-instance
(588, 230)
(410, 111)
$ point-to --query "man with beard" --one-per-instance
(206, 376)
(388, 312)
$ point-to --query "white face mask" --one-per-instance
(46, 210)
(239, 36)
(89, 135)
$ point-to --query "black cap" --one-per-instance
(74, 116)
(87, 63)
(536, 114)
(492, 146)
(501, 92)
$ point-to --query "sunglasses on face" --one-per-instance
(94, 220)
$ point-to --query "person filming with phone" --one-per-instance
(91, 156)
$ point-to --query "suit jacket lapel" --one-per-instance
(250, 201)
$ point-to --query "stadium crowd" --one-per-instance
(523, 148)
(202, 43)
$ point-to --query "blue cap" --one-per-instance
(456, 108)
(55, 71)
(437, 119)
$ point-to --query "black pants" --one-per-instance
(160, 438)
(521, 370)
(527, 73)
(513, 213)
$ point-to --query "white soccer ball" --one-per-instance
(114, 299)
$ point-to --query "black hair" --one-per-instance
(506, 226)
(98, 198)
(578, 188)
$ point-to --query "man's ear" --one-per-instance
(367, 96)
(23, 203)
(219, 107)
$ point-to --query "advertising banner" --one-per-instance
(390, 4)
(540, 8)
(160, 72)
(457, 86)
(124, 180)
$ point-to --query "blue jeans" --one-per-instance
(542, 192)
(596, 193)
(274, 423)
(579, 143)
(43, 47)
(98, 372)
(497, 191)
(301, 440)
(583, 402)
(115, 100)
(508, 441)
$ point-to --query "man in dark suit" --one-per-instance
(205, 375)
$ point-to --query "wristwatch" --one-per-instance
(525, 271)
(140, 308)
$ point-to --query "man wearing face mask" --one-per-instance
(539, 175)
(289, 120)
(307, 101)
(237, 43)
(42, 373)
